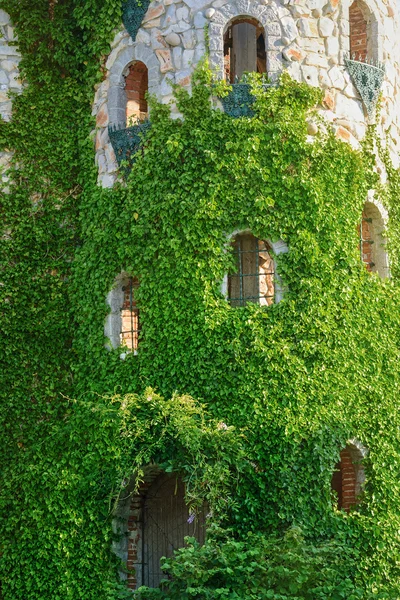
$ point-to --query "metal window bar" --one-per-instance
(130, 318)
(364, 240)
(257, 273)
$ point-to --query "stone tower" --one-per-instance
(311, 39)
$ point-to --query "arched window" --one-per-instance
(372, 241)
(123, 326)
(363, 34)
(253, 278)
(136, 86)
(349, 475)
(244, 48)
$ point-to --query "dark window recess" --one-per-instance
(136, 86)
(130, 321)
(253, 279)
(337, 483)
(166, 523)
(358, 32)
(348, 478)
(366, 230)
(244, 49)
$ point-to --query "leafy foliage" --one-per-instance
(292, 382)
(258, 568)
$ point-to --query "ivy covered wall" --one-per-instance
(291, 382)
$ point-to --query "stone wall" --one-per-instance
(309, 38)
(9, 74)
(9, 59)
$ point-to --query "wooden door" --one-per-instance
(244, 51)
(166, 522)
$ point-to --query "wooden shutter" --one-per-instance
(244, 55)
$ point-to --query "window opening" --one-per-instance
(136, 86)
(130, 322)
(363, 32)
(348, 477)
(253, 279)
(372, 243)
(166, 522)
(366, 242)
(244, 49)
(358, 32)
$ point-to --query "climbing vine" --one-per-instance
(251, 405)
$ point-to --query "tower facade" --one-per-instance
(315, 41)
(225, 272)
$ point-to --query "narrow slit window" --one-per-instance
(130, 321)
(372, 242)
(136, 86)
(358, 32)
(244, 49)
(253, 278)
(348, 477)
(366, 242)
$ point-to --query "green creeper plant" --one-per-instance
(290, 383)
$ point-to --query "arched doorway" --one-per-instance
(166, 523)
(244, 48)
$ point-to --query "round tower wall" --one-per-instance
(308, 38)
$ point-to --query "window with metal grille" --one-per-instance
(130, 321)
(253, 278)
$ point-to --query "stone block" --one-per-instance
(164, 57)
(157, 39)
(107, 181)
(4, 17)
(274, 62)
(199, 52)
(310, 75)
(9, 65)
(182, 13)
(102, 116)
(294, 70)
(329, 100)
(274, 43)
(187, 58)
(151, 24)
(349, 108)
(154, 12)
(308, 28)
(189, 39)
(332, 46)
(177, 57)
(170, 16)
(183, 77)
(293, 53)
(143, 37)
(199, 20)
(289, 28)
(325, 26)
(337, 78)
(4, 80)
(166, 84)
(274, 29)
(316, 60)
